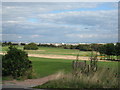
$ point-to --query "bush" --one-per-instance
(31, 46)
(16, 63)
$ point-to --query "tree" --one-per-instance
(31, 46)
(107, 49)
(110, 49)
(16, 63)
(84, 47)
(95, 47)
(117, 49)
(6, 43)
(101, 49)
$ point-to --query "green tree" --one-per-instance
(117, 49)
(101, 49)
(109, 49)
(31, 46)
(16, 63)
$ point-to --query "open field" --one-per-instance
(53, 51)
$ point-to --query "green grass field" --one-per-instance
(45, 66)
(53, 51)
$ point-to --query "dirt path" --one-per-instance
(29, 82)
(60, 57)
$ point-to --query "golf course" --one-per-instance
(43, 66)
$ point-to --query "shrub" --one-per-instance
(16, 63)
(31, 46)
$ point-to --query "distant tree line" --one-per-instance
(110, 50)
(10, 43)
(47, 45)
(6, 43)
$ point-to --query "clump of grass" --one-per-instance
(28, 75)
(102, 78)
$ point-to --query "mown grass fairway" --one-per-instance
(44, 66)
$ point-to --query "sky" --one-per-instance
(60, 22)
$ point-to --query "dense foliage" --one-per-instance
(6, 43)
(16, 63)
(31, 46)
(110, 50)
(46, 45)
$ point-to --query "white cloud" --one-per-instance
(35, 36)
(12, 22)
(19, 36)
(65, 24)
(92, 35)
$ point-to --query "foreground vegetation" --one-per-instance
(103, 78)
(16, 63)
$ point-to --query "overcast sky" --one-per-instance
(60, 22)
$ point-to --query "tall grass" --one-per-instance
(102, 78)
